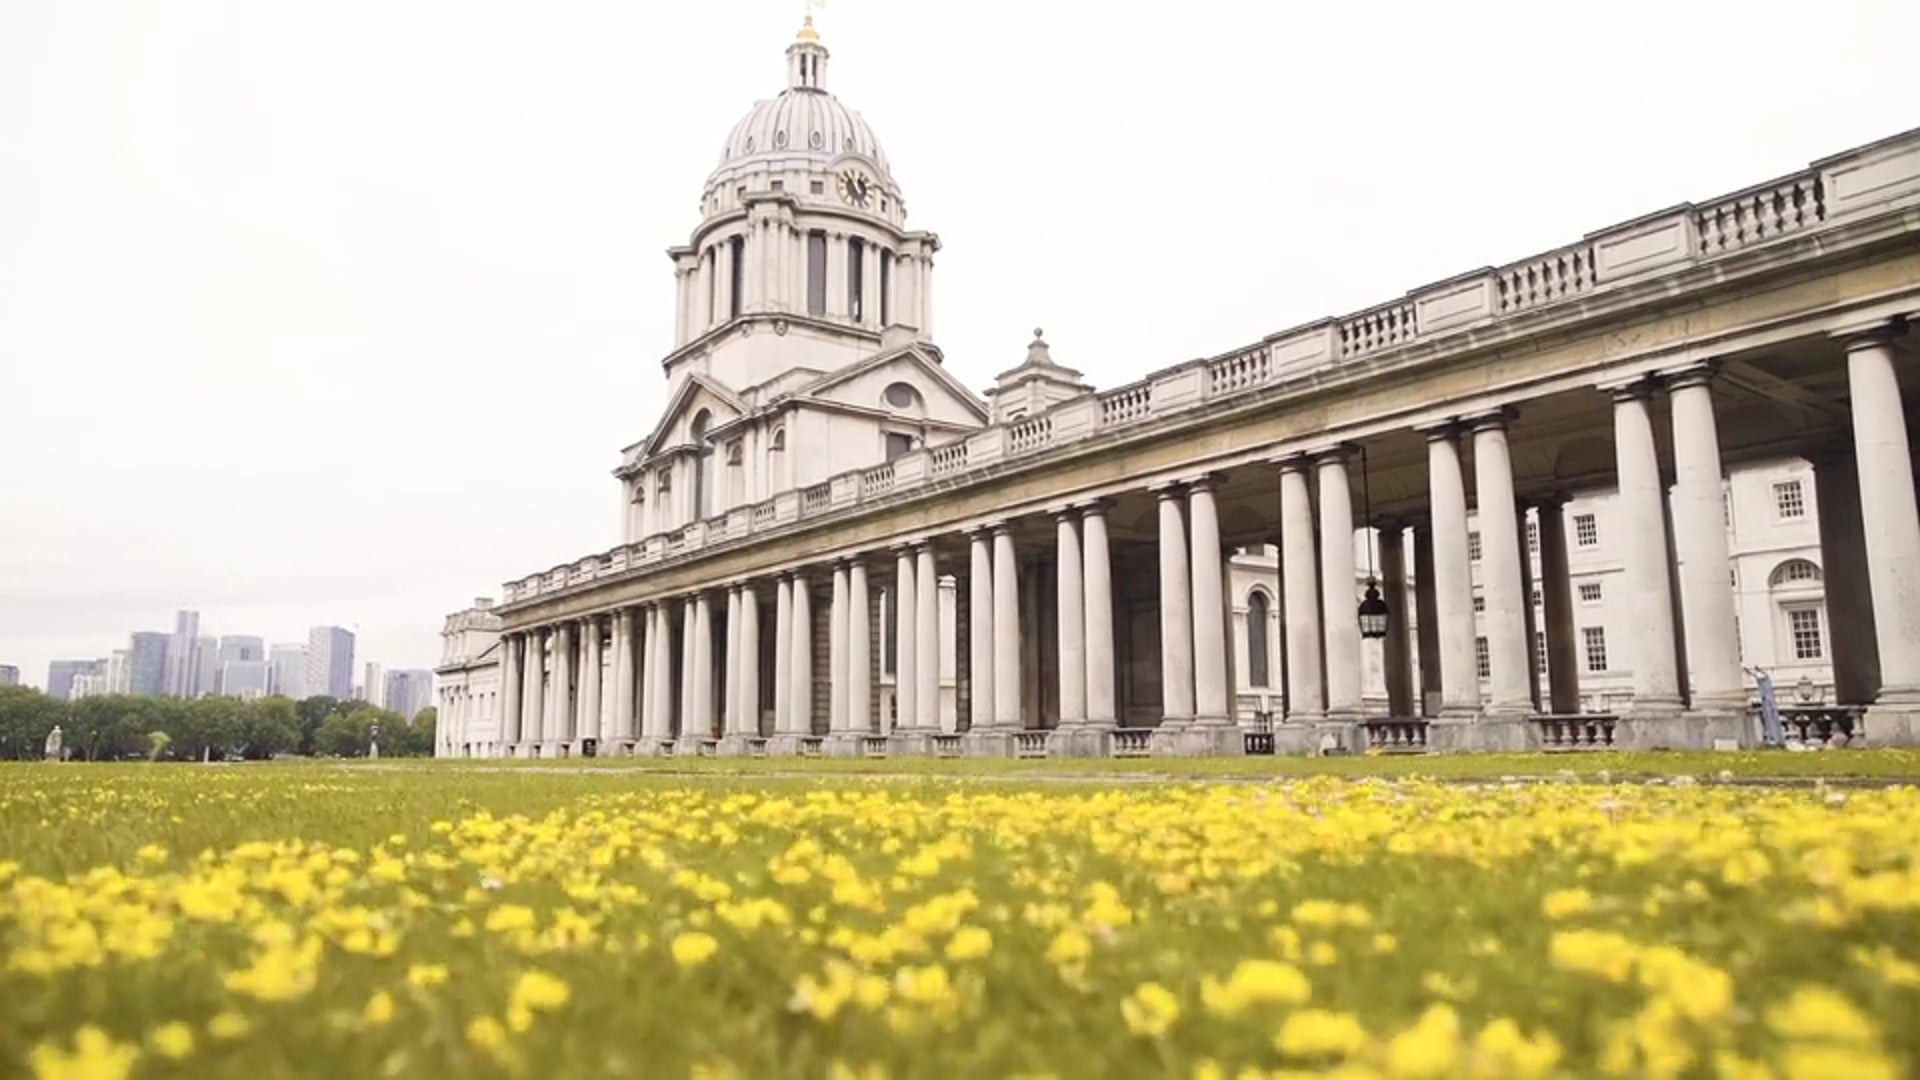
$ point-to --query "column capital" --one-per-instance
(1699, 373)
(1338, 453)
(1206, 481)
(1001, 528)
(1293, 461)
(1441, 430)
(1636, 387)
(1494, 419)
(1391, 525)
(1094, 507)
(1167, 489)
(1868, 335)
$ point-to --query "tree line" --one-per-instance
(120, 727)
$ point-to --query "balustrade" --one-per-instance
(1545, 280)
(1761, 214)
(1125, 405)
(1029, 744)
(1381, 328)
(946, 745)
(874, 746)
(950, 458)
(1234, 373)
(1397, 735)
(877, 480)
(1031, 434)
(1576, 732)
(1132, 742)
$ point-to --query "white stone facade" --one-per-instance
(467, 684)
(829, 546)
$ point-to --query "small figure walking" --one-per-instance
(54, 744)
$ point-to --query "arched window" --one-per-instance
(1257, 614)
(776, 457)
(1794, 572)
(703, 467)
(902, 398)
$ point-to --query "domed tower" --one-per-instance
(802, 347)
(803, 237)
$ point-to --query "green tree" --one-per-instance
(342, 735)
(106, 728)
(313, 712)
(419, 736)
(26, 715)
(269, 726)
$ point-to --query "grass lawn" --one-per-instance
(735, 919)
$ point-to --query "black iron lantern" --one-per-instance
(1374, 613)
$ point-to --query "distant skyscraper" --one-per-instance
(118, 672)
(243, 678)
(373, 687)
(9, 675)
(409, 690)
(61, 673)
(147, 666)
(206, 666)
(183, 668)
(241, 647)
(88, 684)
(287, 671)
(330, 662)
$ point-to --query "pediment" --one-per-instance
(942, 398)
(696, 394)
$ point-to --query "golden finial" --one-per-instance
(807, 32)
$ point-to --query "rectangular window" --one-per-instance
(889, 632)
(1586, 530)
(1726, 508)
(737, 275)
(1589, 592)
(898, 444)
(816, 187)
(1536, 596)
(1804, 623)
(1473, 547)
(856, 278)
(886, 287)
(1482, 661)
(713, 285)
(1540, 652)
(1479, 603)
(816, 273)
(1533, 538)
(1789, 501)
(1595, 639)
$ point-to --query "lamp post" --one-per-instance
(1374, 612)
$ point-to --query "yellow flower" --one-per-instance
(1430, 1048)
(490, 1037)
(1816, 1013)
(1150, 1010)
(1321, 1033)
(152, 853)
(1256, 982)
(537, 991)
(1501, 1042)
(379, 1008)
(509, 917)
(1565, 903)
(970, 943)
(1070, 947)
(1592, 952)
(228, 1026)
(172, 1040)
(425, 975)
(95, 1056)
(693, 948)
(1807, 1061)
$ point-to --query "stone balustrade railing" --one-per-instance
(1561, 283)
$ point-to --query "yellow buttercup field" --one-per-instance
(264, 921)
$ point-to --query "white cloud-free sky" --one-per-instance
(339, 312)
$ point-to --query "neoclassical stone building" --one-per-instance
(833, 547)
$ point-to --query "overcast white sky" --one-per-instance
(339, 312)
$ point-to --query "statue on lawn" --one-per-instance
(54, 744)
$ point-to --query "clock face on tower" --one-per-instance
(855, 188)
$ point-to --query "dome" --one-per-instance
(804, 127)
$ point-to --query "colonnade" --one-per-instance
(673, 677)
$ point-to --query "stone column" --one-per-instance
(783, 655)
(623, 726)
(1070, 619)
(1890, 520)
(1556, 609)
(1854, 647)
(648, 635)
(1339, 608)
(1643, 540)
(594, 666)
(700, 632)
(747, 716)
(722, 280)
(1396, 650)
(926, 638)
(980, 627)
(512, 660)
(801, 696)
(533, 694)
(1212, 683)
(665, 677)
(1006, 632)
(836, 275)
(1700, 534)
(563, 729)
(1453, 578)
(1176, 612)
(1300, 596)
(730, 665)
(1509, 653)
(1426, 610)
(839, 625)
(1529, 586)
(859, 649)
(906, 648)
(1097, 572)
(870, 284)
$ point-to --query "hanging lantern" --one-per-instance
(1374, 613)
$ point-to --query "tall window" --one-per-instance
(886, 286)
(1482, 660)
(776, 455)
(1473, 547)
(1533, 538)
(1479, 603)
(856, 278)
(1804, 624)
(1586, 530)
(736, 274)
(1595, 639)
(889, 632)
(1589, 592)
(1257, 614)
(1789, 501)
(816, 273)
(713, 285)
(898, 444)
(1540, 652)
(703, 467)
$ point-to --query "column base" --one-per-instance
(1894, 722)
(1488, 734)
(737, 745)
(1081, 741)
(788, 744)
(654, 746)
(843, 744)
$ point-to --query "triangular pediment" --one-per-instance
(697, 392)
(864, 386)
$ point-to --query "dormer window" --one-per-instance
(779, 441)
(665, 486)
(733, 452)
(639, 492)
